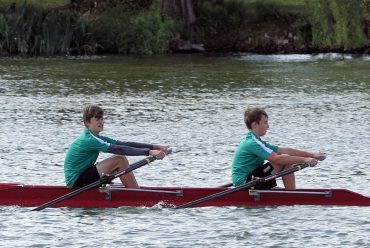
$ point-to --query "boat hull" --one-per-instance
(118, 196)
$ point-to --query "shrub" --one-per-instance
(120, 31)
(36, 31)
(337, 24)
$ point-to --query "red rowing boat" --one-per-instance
(112, 196)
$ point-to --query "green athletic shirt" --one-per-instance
(250, 153)
(83, 153)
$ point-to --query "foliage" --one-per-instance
(39, 3)
(36, 31)
(125, 29)
(228, 24)
(337, 24)
(139, 26)
(274, 12)
(221, 24)
(120, 31)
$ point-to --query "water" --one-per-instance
(194, 104)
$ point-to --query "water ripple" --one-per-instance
(194, 104)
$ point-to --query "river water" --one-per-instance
(194, 104)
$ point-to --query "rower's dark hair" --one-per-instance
(253, 114)
(90, 111)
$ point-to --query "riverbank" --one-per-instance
(160, 27)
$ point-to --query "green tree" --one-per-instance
(337, 24)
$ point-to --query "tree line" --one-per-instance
(86, 27)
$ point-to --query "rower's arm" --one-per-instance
(160, 147)
(299, 153)
(283, 159)
(127, 150)
(294, 152)
(134, 144)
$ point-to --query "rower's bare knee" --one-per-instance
(278, 168)
(112, 164)
(121, 161)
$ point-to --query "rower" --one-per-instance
(80, 167)
(252, 152)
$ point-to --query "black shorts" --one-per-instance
(263, 171)
(90, 175)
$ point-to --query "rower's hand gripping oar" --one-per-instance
(249, 185)
(103, 180)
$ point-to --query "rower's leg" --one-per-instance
(114, 163)
(288, 180)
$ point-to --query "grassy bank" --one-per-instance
(40, 3)
(274, 26)
(35, 30)
(54, 27)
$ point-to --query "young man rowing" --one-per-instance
(250, 156)
(80, 167)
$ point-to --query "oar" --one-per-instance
(102, 180)
(249, 185)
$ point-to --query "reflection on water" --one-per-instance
(290, 58)
(180, 75)
(195, 104)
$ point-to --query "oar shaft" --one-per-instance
(104, 179)
(217, 195)
(250, 184)
(133, 167)
(69, 195)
